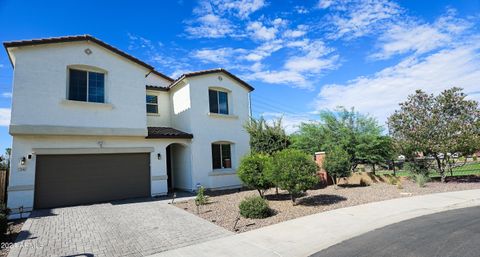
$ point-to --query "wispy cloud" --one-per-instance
(290, 122)
(5, 116)
(7, 94)
(380, 93)
(210, 26)
(418, 37)
(213, 17)
(351, 19)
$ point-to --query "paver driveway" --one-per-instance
(112, 229)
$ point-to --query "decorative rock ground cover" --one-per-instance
(222, 208)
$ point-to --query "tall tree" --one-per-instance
(360, 136)
(437, 126)
(267, 138)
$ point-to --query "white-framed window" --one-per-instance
(86, 86)
(152, 104)
(221, 156)
(218, 101)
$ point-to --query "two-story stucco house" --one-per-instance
(91, 123)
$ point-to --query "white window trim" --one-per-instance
(229, 102)
(88, 69)
(232, 167)
(158, 109)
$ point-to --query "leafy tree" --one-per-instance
(267, 138)
(293, 171)
(437, 127)
(358, 135)
(252, 172)
(5, 159)
(337, 163)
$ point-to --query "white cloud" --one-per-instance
(261, 32)
(311, 59)
(210, 26)
(4, 116)
(7, 94)
(301, 10)
(301, 30)
(323, 4)
(420, 37)
(380, 94)
(352, 19)
(220, 55)
(290, 122)
(292, 78)
(241, 8)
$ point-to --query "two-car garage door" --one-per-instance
(63, 180)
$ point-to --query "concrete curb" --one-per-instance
(313, 233)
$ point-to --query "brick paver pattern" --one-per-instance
(123, 229)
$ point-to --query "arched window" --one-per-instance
(222, 155)
(86, 83)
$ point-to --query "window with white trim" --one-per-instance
(152, 104)
(218, 101)
(87, 86)
(221, 156)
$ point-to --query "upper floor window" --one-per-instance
(87, 86)
(221, 156)
(218, 101)
(152, 104)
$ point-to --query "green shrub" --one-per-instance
(252, 172)
(417, 167)
(255, 207)
(201, 198)
(294, 171)
(475, 158)
(337, 163)
(421, 179)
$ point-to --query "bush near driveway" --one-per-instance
(255, 207)
(252, 172)
(294, 171)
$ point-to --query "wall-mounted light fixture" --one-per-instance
(23, 161)
(29, 156)
(159, 156)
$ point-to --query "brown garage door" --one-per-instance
(63, 180)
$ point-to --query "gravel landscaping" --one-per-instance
(14, 227)
(222, 208)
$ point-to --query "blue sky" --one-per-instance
(301, 56)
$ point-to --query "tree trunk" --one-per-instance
(276, 190)
(260, 192)
(440, 168)
(373, 168)
(292, 196)
(393, 167)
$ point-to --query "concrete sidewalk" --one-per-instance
(310, 234)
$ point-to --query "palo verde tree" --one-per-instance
(358, 135)
(267, 138)
(437, 126)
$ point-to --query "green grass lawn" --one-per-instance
(466, 170)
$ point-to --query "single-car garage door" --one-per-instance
(63, 180)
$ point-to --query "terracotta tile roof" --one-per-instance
(78, 38)
(166, 132)
(203, 72)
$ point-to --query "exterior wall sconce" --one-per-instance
(159, 156)
(23, 161)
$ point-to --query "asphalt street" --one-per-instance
(453, 233)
